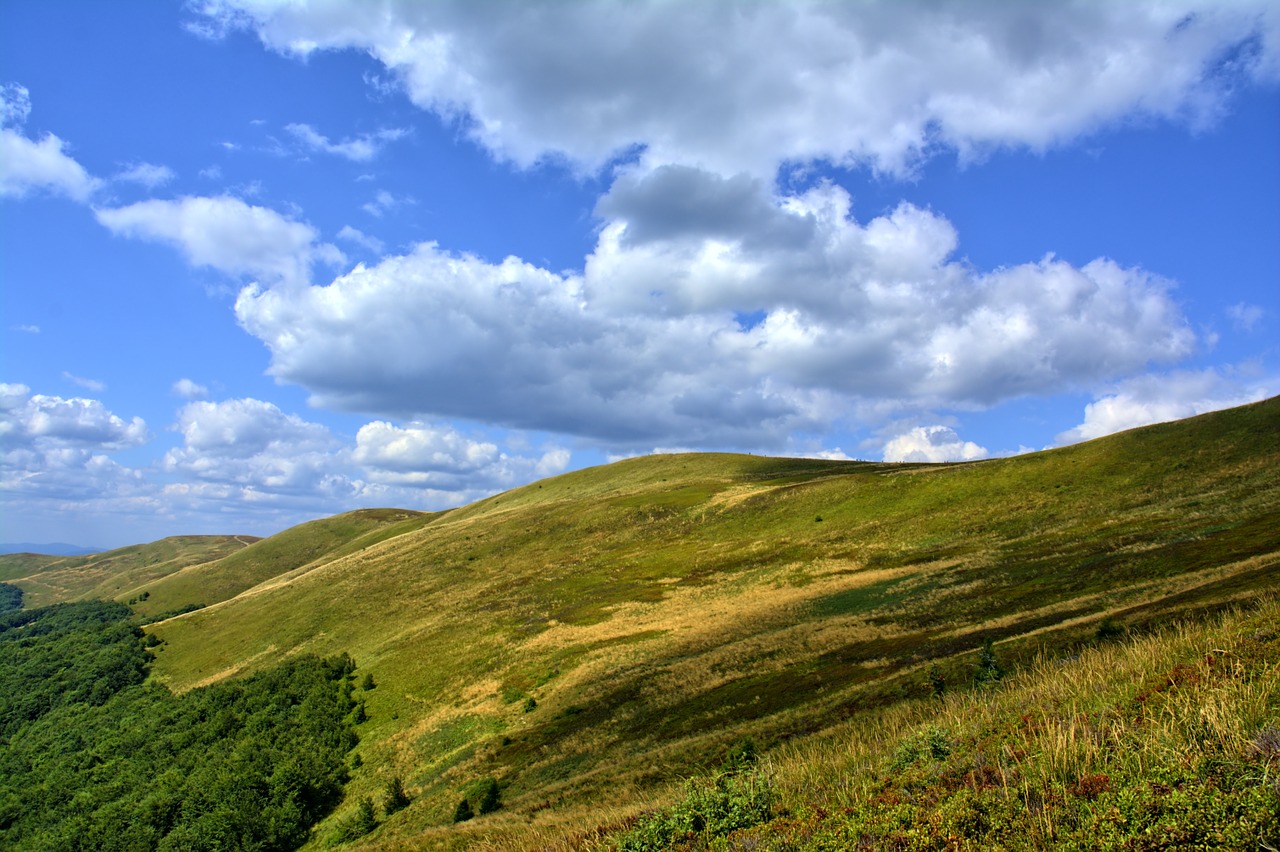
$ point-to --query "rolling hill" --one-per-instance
(660, 609)
(590, 640)
(113, 574)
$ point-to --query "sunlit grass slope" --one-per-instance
(294, 550)
(1169, 740)
(113, 574)
(661, 608)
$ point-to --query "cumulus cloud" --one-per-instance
(188, 389)
(227, 234)
(249, 450)
(241, 428)
(932, 444)
(56, 448)
(1162, 397)
(28, 420)
(649, 345)
(360, 149)
(28, 165)
(441, 458)
(146, 174)
(746, 86)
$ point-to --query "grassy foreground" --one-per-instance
(1165, 741)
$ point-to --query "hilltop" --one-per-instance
(588, 640)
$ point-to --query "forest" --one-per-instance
(94, 758)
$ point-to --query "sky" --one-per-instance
(263, 261)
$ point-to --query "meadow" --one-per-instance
(586, 644)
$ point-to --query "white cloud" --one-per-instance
(146, 174)
(249, 450)
(52, 422)
(441, 458)
(241, 428)
(1160, 398)
(1245, 317)
(88, 384)
(26, 328)
(358, 237)
(188, 389)
(646, 346)
(227, 234)
(28, 165)
(383, 203)
(932, 444)
(254, 448)
(15, 105)
(53, 448)
(746, 86)
(360, 149)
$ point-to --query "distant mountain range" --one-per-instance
(55, 549)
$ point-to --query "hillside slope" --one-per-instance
(294, 550)
(659, 609)
(113, 574)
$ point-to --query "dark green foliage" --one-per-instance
(358, 824)
(463, 812)
(396, 799)
(937, 683)
(710, 808)
(10, 597)
(530, 704)
(1109, 630)
(368, 684)
(741, 756)
(988, 669)
(489, 797)
(93, 759)
(81, 653)
(930, 744)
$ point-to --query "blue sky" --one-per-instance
(265, 261)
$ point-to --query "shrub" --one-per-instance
(710, 808)
(988, 669)
(937, 683)
(1109, 630)
(931, 742)
(368, 684)
(358, 824)
(396, 799)
(741, 756)
(490, 798)
(463, 812)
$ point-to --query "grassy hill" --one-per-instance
(113, 574)
(589, 639)
(283, 555)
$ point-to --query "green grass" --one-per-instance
(210, 582)
(662, 608)
(114, 574)
(1171, 740)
